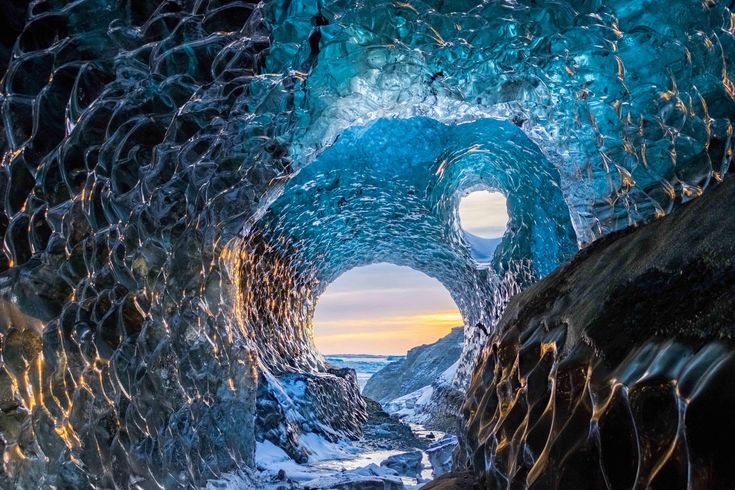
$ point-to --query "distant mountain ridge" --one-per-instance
(421, 367)
(371, 356)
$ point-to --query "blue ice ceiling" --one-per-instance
(389, 192)
(629, 136)
(182, 178)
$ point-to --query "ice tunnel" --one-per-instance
(182, 179)
(390, 193)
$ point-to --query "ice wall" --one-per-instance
(144, 143)
(389, 192)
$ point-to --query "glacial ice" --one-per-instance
(181, 179)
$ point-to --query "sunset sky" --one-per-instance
(387, 309)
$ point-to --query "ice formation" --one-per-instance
(616, 370)
(182, 178)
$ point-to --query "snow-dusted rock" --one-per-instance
(372, 477)
(440, 454)
(421, 367)
(407, 464)
(411, 407)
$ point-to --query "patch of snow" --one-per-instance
(447, 376)
(411, 407)
(320, 449)
(267, 454)
(329, 463)
(270, 460)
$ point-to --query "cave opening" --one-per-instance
(374, 315)
(483, 216)
(483, 213)
(391, 192)
(382, 309)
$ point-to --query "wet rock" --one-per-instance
(453, 481)
(618, 367)
(371, 477)
(320, 400)
(383, 431)
(407, 464)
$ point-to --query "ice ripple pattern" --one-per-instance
(144, 142)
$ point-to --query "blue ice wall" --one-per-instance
(144, 144)
(630, 100)
(389, 192)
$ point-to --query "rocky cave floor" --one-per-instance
(391, 455)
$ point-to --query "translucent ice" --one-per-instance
(180, 179)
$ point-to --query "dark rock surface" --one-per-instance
(421, 367)
(452, 481)
(617, 370)
(363, 479)
(320, 398)
(445, 409)
(381, 431)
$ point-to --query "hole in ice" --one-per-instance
(484, 214)
(370, 314)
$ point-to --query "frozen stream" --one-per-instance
(327, 462)
(365, 456)
(332, 464)
(344, 460)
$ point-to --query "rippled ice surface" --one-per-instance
(164, 162)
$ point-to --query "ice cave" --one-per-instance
(182, 179)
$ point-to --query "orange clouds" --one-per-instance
(385, 334)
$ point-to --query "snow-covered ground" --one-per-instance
(328, 463)
(413, 408)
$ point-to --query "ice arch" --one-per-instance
(388, 192)
(630, 138)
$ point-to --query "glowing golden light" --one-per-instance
(394, 334)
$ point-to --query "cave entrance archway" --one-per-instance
(389, 192)
(373, 315)
(382, 309)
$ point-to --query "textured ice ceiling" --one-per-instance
(163, 161)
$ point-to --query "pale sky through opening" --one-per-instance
(387, 309)
(484, 214)
(382, 309)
